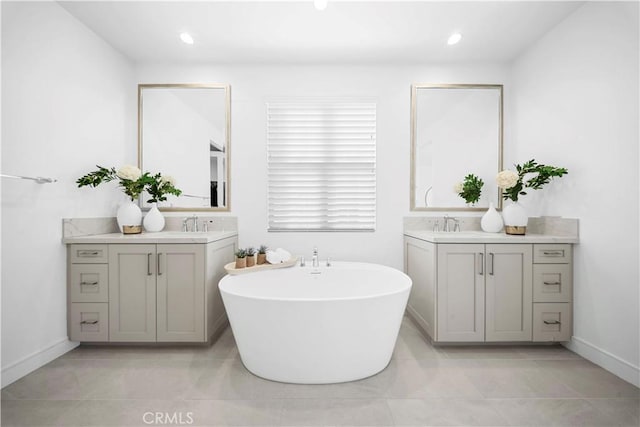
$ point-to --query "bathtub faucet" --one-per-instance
(314, 260)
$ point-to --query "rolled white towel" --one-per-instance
(278, 256)
(284, 255)
(273, 257)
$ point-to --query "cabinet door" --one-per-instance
(460, 292)
(181, 296)
(420, 267)
(509, 292)
(218, 254)
(132, 292)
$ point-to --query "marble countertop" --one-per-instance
(482, 237)
(160, 237)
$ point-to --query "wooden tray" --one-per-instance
(231, 267)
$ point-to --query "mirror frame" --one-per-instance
(414, 128)
(227, 101)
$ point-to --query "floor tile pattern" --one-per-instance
(422, 386)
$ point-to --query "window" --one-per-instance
(321, 166)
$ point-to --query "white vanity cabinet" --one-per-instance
(149, 292)
(489, 292)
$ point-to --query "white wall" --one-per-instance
(68, 103)
(575, 104)
(253, 86)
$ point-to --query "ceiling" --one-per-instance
(295, 32)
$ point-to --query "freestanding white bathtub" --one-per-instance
(316, 325)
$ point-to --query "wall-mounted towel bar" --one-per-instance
(38, 179)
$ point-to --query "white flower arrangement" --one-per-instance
(129, 172)
(168, 179)
(513, 183)
(133, 182)
(458, 187)
(507, 179)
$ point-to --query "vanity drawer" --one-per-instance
(552, 254)
(552, 321)
(89, 254)
(89, 282)
(552, 282)
(89, 322)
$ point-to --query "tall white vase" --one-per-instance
(515, 218)
(129, 215)
(154, 220)
(491, 221)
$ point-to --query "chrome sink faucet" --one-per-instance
(456, 223)
(314, 260)
(185, 223)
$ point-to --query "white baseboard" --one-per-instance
(606, 360)
(35, 360)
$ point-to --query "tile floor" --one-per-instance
(422, 386)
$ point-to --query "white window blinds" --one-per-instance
(321, 166)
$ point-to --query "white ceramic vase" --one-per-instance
(154, 220)
(515, 218)
(129, 214)
(491, 221)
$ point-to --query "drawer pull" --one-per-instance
(88, 253)
(553, 253)
(481, 263)
(551, 322)
(88, 322)
(149, 255)
(88, 283)
(552, 283)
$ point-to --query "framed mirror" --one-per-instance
(456, 130)
(184, 132)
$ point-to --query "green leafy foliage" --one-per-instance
(131, 188)
(250, 251)
(241, 253)
(158, 187)
(471, 188)
(262, 249)
(96, 178)
(542, 175)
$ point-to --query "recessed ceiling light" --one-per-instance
(454, 38)
(320, 4)
(186, 38)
